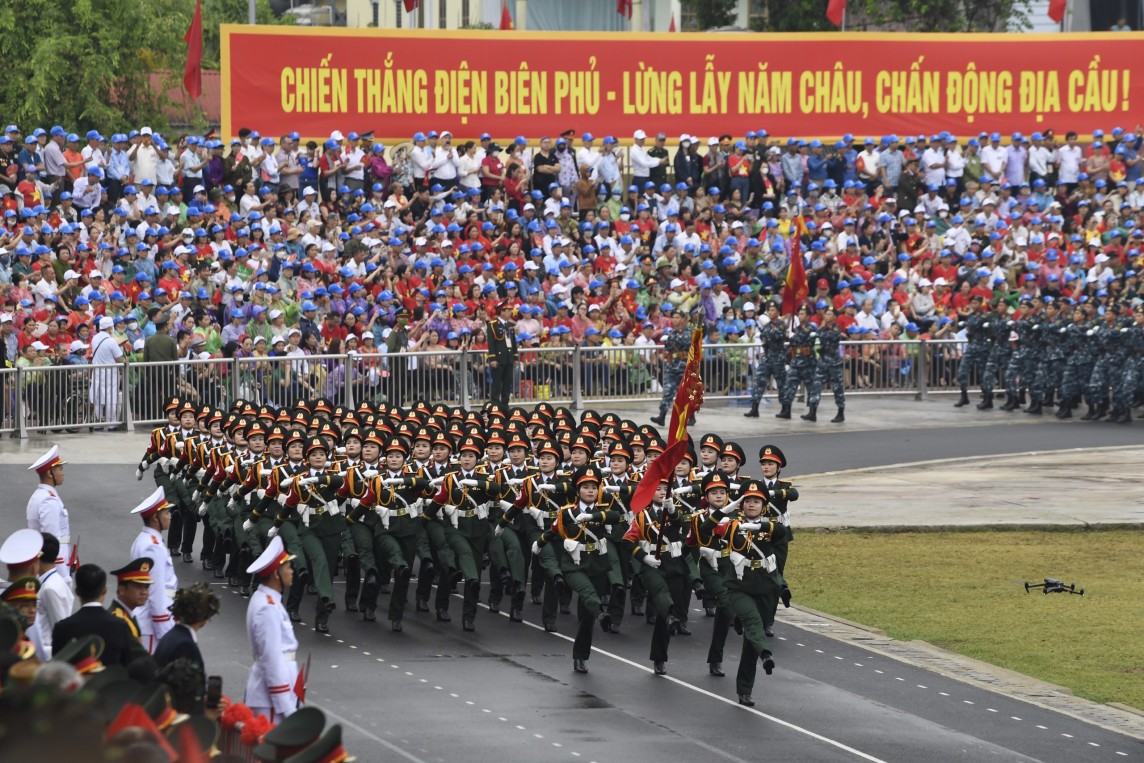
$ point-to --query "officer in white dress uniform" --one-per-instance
(20, 553)
(57, 601)
(270, 688)
(154, 617)
(46, 512)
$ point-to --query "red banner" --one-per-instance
(282, 79)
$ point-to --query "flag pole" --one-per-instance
(845, 11)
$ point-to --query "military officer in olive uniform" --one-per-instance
(501, 354)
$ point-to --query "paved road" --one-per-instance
(507, 692)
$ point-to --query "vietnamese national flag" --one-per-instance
(795, 288)
(1057, 9)
(410, 5)
(624, 8)
(505, 17)
(836, 11)
(193, 73)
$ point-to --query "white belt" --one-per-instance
(289, 656)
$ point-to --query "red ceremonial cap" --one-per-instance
(45, 462)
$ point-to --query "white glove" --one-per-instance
(369, 473)
(515, 482)
(287, 482)
(650, 561)
(547, 487)
(179, 447)
(393, 481)
(436, 481)
(585, 516)
(731, 508)
(735, 485)
(498, 530)
(669, 505)
(308, 480)
(200, 474)
(340, 450)
(611, 488)
(506, 505)
(751, 527)
(203, 510)
(535, 548)
(355, 502)
(685, 490)
(470, 482)
(273, 532)
(139, 473)
(231, 504)
(261, 493)
(195, 497)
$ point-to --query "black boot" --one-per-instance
(1010, 403)
(1021, 397)
(811, 414)
(516, 611)
(987, 403)
(1050, 399)
(1090, 415)
(294, 599)
(660, 668)
(838, 419)
(1126, 417)
(369, 590)
(754, 412)
(784, 413)
(353, 583)
(658, 421)
(1036, 409)
(1065, 410)
(322, 619)
(963, 400)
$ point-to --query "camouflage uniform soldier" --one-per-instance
(1049, 360)
(998, 328)
(1106, 343)
(976, 350)
(1077, 347)
(1131, 380)
(773, 363)
(677, 344)
(829, 368)
(1020, 339)
(802, 364)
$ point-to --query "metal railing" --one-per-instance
(74, 397)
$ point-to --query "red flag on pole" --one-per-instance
(795, 289)
(193, 73)
(688, 399)
(624, 8)
(1057, 10)
(505, 17)
(671, 27)
(836, 11)
(411, 4)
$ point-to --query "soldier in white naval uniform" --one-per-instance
(46, 511)
(155, 615)
(271, 686)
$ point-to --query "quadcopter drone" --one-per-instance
(1054, 586)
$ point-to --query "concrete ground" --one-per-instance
(841, 692)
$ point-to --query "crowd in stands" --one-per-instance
(266, 246)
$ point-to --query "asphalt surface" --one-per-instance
(507, 692)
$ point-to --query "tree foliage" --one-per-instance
(85, 64)
(889, 15)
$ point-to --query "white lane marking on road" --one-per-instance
(879, 672)
(733, 703)
(966, 701)
(364, 732)
(1094, 744)
(1070, 736)
(922, 687)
